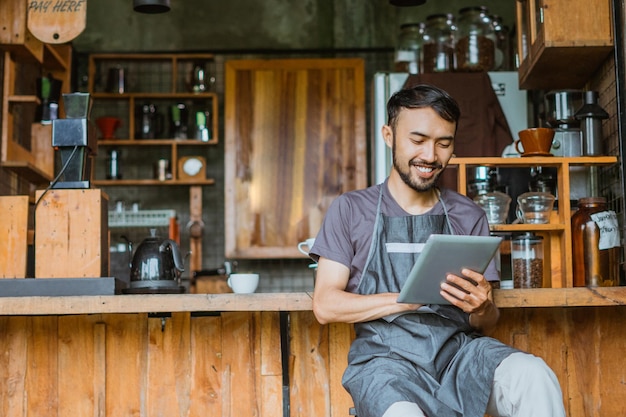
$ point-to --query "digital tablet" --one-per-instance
(442, 255)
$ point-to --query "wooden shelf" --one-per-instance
(138, 182)
(23, 99)
(155, 142)
(161, 96)
(27, 171)
(544, 161)
(57, 57)
(299, 301)
(558, 271)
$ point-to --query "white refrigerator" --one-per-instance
(514, 103)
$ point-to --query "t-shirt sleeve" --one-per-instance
(333, 240)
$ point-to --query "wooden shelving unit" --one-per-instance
(558, 271)
(162, 80)
(26, 147)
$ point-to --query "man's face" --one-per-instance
(422, 145)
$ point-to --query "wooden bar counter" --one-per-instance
(263, 355)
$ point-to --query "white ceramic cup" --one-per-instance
(308, 243)
(243, 283)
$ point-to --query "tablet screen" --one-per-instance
(442, 255)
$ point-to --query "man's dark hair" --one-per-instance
(422, 96)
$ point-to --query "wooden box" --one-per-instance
(71, 234)
(562, 42)
(14, 229)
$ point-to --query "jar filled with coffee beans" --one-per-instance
(408, 54)
(527, 261)
(476, 40)
(438, 47)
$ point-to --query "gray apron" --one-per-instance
(431, 357)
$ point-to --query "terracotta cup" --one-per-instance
(535, 141)
(108, 126)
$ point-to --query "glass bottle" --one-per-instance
(113, 165)
(475, 45)
(527, 261)
(595, 244)
(438, 46)
(408, 57)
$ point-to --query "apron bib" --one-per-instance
(431, 357)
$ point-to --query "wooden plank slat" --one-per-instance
(168, 388)
(309, 347)
(76, 370)
(14, 336)
(240, 364)
(270, 367)
(340, 337)
(126, 364)
(42, 367)
(206, 394)
(14, 228)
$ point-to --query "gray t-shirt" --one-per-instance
(346, 233)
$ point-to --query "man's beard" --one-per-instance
(405, 174)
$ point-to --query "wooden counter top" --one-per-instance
(301, 301)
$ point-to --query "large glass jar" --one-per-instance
(595, 244)
(439, 43)
(527, 261)
(408, 57)
(503, 51)
(475, 44)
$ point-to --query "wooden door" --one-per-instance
(294, 140)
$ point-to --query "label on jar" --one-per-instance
(609, 229)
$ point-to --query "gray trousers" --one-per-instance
(523, 386)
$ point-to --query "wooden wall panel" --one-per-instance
(294, 132)
(128, 365)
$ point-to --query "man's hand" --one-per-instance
(472, 293)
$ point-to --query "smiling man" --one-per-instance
(419, 360)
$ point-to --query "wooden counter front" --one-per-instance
(230, 355)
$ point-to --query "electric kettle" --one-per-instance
(156, 266)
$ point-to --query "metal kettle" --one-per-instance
(156, 266)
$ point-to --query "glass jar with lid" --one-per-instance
(503, 60)
(408, 54)
(475, 44)
(439, 35)
(595, 244)
(527, 261)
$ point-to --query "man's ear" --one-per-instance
(387, 135)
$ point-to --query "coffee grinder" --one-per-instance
(74, 139)
(560, 109)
